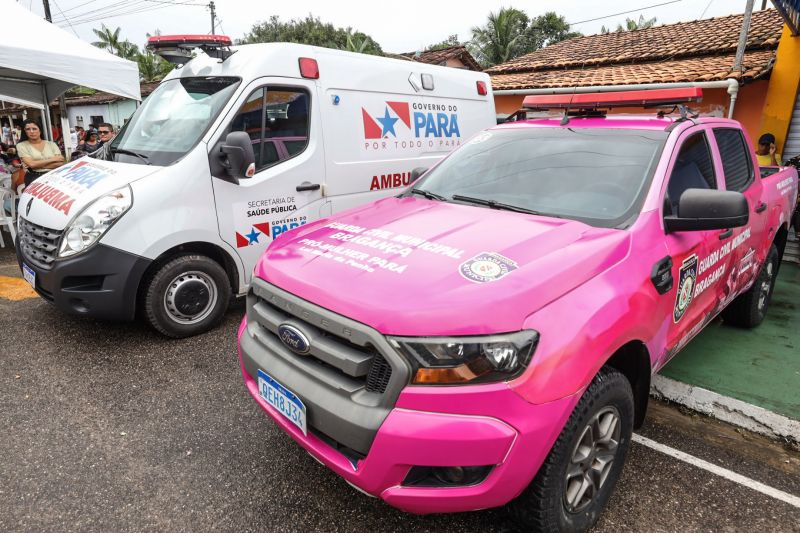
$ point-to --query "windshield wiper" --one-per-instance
(494, 204)
(129, 152)
(429, 195)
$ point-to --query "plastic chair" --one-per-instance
(8, 219)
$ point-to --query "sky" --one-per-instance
(397, 25)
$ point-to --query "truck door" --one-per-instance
(739, 174)
(697, 262)
(286, 190)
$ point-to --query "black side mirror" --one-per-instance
(704, 209)
(416, 173)
(238, 160)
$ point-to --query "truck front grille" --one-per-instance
(39, 244)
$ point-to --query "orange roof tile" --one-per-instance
(437, 57)
(715, 36)
(709, 68)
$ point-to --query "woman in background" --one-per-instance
(38, 155)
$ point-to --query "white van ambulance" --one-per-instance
(232, 150)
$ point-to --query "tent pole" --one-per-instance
(48, 128)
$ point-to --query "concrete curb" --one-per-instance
(730, 410)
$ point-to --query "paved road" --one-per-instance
(109, 427)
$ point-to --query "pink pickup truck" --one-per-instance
(488, 336)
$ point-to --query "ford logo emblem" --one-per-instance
(294, 339)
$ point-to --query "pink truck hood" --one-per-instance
(408, 266)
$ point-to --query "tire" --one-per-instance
(186, 296)
(749, 308)
(552, 502)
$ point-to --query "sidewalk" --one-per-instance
(748, 377)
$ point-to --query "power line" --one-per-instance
(68, 22)
(706, 9)
(139, 6)
(624, 12)
(76, 7)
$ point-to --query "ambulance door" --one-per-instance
(282, 119)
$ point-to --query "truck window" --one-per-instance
(737, 162)
(598, 176)
(693, 169)
(276, 118)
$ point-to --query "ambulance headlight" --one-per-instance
(467, 360)
(95, 219)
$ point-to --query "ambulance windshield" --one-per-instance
(171, 120)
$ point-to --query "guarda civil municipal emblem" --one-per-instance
(687, 276)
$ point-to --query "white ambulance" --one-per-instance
(232, 150)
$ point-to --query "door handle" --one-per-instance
(725, 234)
(661, 275)
(308, 187)
(761, 207)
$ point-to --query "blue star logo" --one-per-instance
(388, 123)
(253, 236)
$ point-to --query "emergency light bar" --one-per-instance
(178, 49)
(644, 98)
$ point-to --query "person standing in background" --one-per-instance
(767, 152)
(6, 134)
(38, 155)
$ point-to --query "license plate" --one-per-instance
(283, 400)
(29, 275)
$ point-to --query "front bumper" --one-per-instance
(100, 283)
(444, 426)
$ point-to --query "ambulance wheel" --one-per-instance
(573, 485)
(186, 296)
(749, 308)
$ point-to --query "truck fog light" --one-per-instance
(446, 476)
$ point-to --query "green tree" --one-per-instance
(502, 37)
(108, 40)
(128, 50)
(631, 24)
(447, 43)
(547, 29)
(510, 33)
(310, 30)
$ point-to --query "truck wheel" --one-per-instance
(573, 485)
(749, 308)
(186, 296)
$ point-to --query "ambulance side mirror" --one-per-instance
(417, 172)
(237, 155)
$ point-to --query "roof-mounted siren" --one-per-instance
(588, 102)
(178, 49)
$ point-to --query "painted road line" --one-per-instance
(718, 470)
(730, 410)
(15, 289)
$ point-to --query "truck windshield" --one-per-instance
(171, 120)
(598, 176)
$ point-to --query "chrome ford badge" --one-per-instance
(294, 339)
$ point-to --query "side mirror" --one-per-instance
(417, 172)
(239, 159)
(704, 209)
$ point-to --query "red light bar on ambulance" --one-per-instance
(178, 48)
(644, 98)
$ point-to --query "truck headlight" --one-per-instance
(95, 219)
(453, 360)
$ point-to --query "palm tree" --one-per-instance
(502, 38)
(109, 40)
(128, 50)
(640, 24)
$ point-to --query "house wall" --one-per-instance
(784, 86)
(120, 111)
(749, 107)
(86, 111)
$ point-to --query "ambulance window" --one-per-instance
(276, 118)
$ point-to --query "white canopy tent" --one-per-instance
(39, 61)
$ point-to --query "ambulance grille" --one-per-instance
(39, 244)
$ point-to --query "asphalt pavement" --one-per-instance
(110, 427)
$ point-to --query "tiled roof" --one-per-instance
(104, 98)
(702, 50)
(437, 57)
(709, 68)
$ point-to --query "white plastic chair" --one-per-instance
(8, 219)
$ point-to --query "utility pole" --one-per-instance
(47, 11)
(211, 6)
(748, 12)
